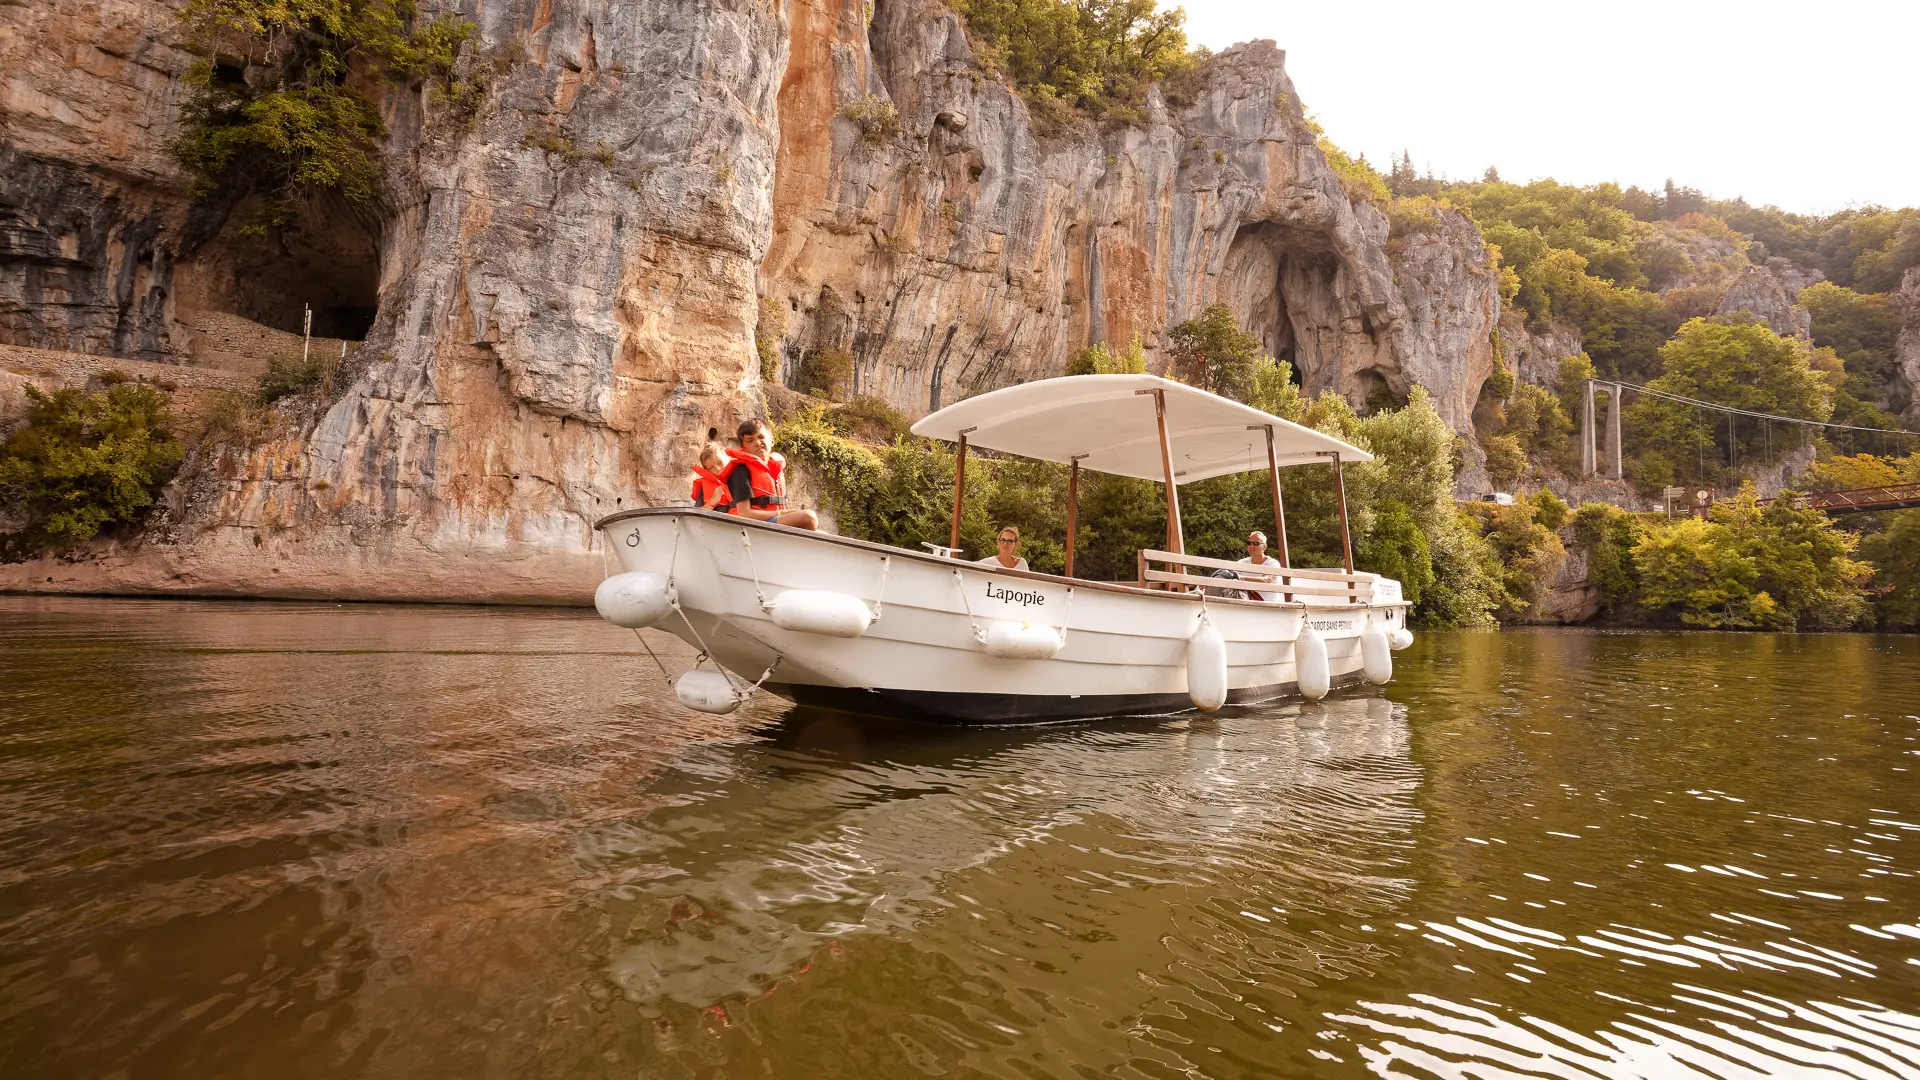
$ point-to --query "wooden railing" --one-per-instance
(1288, 582)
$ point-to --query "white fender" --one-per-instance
(633, 600)
(1310, 663)
(1020, 640)
(707, 690)
(1376, 653)
(818, 611)
(1207, 667)
(1400, 638)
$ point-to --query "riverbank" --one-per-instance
(239, 567)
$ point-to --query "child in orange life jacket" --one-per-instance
(756, 482)
(709, 490)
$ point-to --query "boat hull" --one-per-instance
(1124, 650)
(951, 707)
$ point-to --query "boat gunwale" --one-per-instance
(945, 563)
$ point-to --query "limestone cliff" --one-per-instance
(964, 250)
(559, 294)
(1760, 293)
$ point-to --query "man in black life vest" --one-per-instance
(755, 479)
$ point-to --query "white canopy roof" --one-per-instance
(1108, 422)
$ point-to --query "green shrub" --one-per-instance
(290, 375)
(1100, 360)
(825, 373)
(871, 419)
(1549, 510)
(877, 119)
(1415, 214)
(85, 461)
(1574, 371)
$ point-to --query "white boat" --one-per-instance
(863, 627)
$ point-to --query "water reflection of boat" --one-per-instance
(847, 624)
(768, 853)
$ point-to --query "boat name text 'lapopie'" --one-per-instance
(1023, 598)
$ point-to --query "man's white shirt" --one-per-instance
(1266, 560)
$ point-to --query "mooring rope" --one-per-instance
(747, 542)
(886, 564)
(967, 607)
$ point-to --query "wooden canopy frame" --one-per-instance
(1082, 421)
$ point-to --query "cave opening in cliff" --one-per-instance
(327, 260)
(1252, 285)
(1377, 393)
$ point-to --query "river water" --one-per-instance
(333, 841)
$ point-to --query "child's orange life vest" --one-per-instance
(769, 488)
(710, 491)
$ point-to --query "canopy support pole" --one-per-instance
(959, 492)
(1346, 535)
(1175, 535)
(1279, 508)
(1073, 506)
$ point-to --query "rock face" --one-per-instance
(1794, 278)
(963, 250)
(1761, 294)
(1535, 355)
(559, 295)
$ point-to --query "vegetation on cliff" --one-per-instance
(1095, 57)
(277, 105)
(84, 461)
(1627, 268)
(1732, 360)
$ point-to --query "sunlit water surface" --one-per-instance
(288, 841)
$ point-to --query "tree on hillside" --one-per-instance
(1861, 328)
(1213, 353)
(1735, 361)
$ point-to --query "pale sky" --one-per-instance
(1812, 106)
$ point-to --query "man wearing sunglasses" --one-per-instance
(1257, 556)
(1007, 557)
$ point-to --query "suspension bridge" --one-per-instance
(1597, 459)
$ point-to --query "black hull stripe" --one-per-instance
(946, 707)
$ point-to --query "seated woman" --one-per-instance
(755, 479)
(1008, 555)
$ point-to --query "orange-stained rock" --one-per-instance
(558, 296)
